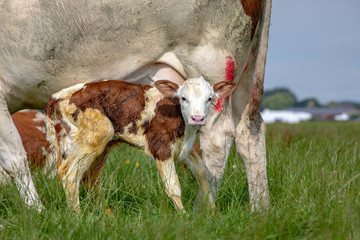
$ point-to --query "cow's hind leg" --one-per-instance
(250, 144)
(171, 182)
(13, 158)
(196, 165)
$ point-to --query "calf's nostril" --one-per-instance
(197, 118)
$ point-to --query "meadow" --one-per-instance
(314, 181)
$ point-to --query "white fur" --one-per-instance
(195, 98)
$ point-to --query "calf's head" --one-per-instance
(195, 96)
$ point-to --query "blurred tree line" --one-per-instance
(283, 98)
(278, 98)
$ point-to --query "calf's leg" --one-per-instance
(92, 178)
(196, 165)
(171, 182)
(92, 133)
(72, 171)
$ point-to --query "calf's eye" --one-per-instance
(209, 99)
(182, 98)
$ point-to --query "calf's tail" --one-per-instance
(51, 135)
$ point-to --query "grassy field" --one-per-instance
(314, 181)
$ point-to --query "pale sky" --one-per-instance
(314, 49)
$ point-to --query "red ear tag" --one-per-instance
(219, 105)
(229, 76)
(229, 71)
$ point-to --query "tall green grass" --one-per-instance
(314, 181)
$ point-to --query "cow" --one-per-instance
(101, 114)
(48, 46)
(31, 127)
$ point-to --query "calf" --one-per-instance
(163, 120)
(31, 127)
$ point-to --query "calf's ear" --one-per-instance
(224, 88)
(166, 87)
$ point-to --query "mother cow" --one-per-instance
(49, 45)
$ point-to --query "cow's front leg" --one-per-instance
(13, 158)
(250, 144)
(216, 139)
(171, 182)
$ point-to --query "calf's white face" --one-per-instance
(195, 96)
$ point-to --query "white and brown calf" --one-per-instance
(31, 126)
(163, 120)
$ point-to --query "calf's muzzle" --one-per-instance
(197, 120)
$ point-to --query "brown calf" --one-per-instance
(151, 118)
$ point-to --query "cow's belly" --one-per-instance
(26, 87)
(34, 92)
(69, 50)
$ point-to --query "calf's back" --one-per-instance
(139, 114)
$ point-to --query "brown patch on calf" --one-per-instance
(61, 125)
(50, 105)
(121, 102)
(133, 129)
(31, 127)
(33, 139)
(53, 106)
(253, 8)
(167, 126)
(145, 125)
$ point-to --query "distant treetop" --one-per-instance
(278, 98)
